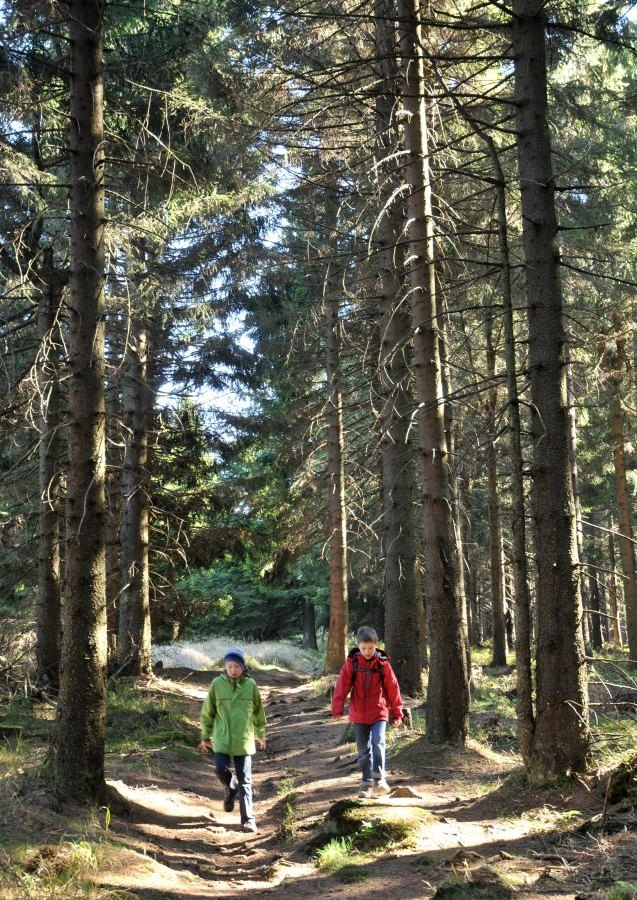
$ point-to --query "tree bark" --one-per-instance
(561, 740)
(113, 505)
(309, 626)
(403, 623)
(337, 515)
(509, 622)
(625, 525)
(613, 587)
(133, 646)
(471, 587)
(603, 606)
(49, 614)
(451, 427)
(448, 691)
(496, 552)
(78, 747)
(572, 441)
(403, 635)
(596, 623)
(421, 600)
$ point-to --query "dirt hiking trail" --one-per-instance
(480, 830)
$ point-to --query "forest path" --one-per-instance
(179, 843)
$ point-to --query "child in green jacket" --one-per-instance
(232, 718)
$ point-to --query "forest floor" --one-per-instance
(462, 823)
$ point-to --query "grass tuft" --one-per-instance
(289, 809)
(336, 857)
(60, 871)
(335, 854)
(623, 890)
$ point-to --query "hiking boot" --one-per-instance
(231, 792)
(366, 792)
(381, 787)
(250, 826)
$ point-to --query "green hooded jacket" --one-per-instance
(232, 715)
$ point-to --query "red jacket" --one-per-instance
(375, 696)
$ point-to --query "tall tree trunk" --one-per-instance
(572, 442)
(113, 506)
(625, 525)
(522, 598)
(448, 691)
(461, 516)
(48, 628)
(509, 620)
(133, 649)
(337, 515)
(603, 606)
(404, 636)
(451, 427)
(421, 617)
(496, 552)
(78, 748)
(475, 619)
(309, 626)
(612, 586)
(596, 622)
(561, 740)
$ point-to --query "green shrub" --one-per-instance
(623, 890)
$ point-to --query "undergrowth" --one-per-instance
(209, 653)
(61, 868)
(613, 706)
(623, 890)
(139, 719)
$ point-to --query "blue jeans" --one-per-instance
(370, 742)
(242, 784)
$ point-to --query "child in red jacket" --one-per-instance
(375, 699)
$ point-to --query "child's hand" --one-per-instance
(261, 743)
(396, 723)
(338, 718)
(205, 746)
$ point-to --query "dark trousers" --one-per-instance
(237, 782)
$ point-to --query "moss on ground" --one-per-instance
(485, 883)
(374, 827)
